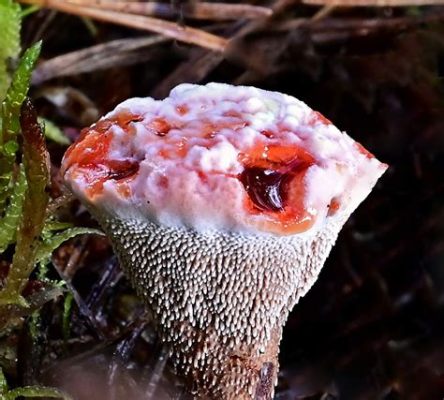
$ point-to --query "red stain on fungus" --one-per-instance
(124, 169)
(182, 109)
(274, 181)
(91, 147)
(268, 134)
(364, 151)
(317, 117)
(232, 113)
(163, 182)
(160, 126)
(124, 118)
(90, 154)
(210, 129)
(333, 207)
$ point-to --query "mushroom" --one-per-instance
(222, 203)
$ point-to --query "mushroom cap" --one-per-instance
(221, 158)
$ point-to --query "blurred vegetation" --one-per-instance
(29, 232)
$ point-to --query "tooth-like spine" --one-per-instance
(222, 312)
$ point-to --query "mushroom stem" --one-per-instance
(220, 299)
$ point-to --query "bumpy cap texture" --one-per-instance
(222, 204)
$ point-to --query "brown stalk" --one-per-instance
(323, 13)
(170, 29)
(355, 24)
(278, 8)
(102, 56)
(198, 10)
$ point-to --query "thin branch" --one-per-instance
(170, 29)
(374, 3)
(157, 373)
(43, 26)
(278, 7)
(362, 24)
(323, 12)
(195, 10)
(102, 56)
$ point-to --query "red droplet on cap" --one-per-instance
(274, 181)
(90, 154)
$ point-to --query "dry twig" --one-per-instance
(360, 24)
(170, 29)
(195, 10)
(374, 3)
(106, 55)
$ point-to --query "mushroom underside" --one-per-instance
(220, 300)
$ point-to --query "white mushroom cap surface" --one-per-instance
(221, 158)
(222, 203)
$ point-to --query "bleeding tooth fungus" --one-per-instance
(222, 203)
